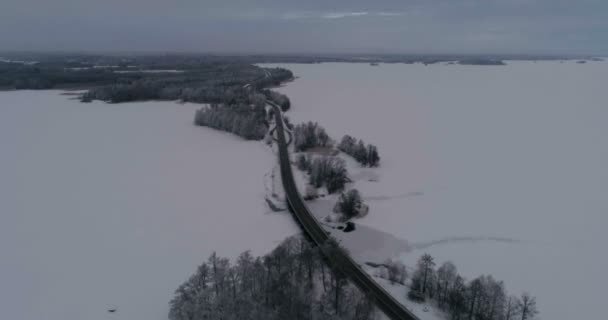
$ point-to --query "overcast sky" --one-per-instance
(307, 26)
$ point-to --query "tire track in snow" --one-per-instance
(451, 240)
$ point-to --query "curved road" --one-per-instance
(339, 258)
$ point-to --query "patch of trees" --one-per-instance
(326, 171)
(292, 282)
(273, 77)
(310, 135)
(243, 120)
(367, 155)
(349, 204)
(482, 298)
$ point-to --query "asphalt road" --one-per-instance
(339, 258)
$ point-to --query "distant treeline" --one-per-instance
(46, 71)
(225, 84)
(292, 282)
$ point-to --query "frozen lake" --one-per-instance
(508, 165)
(113, 206)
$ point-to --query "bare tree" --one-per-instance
(527, 306)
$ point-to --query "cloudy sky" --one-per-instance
(307, 26)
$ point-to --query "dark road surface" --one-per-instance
(339, 258)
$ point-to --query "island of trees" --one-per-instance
(481, 298)
(367, 155)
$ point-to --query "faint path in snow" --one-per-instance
(451, 240)
(398, 196)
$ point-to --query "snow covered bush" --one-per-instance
(349, 204)
(396, 272)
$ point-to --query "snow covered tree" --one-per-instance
(527, 306)
(309, 135)
(446, 275)
(304, 163)
(366, 155)
(329, 172)
(245, 121)
(349, 204)
(511, 311)
(425, 265)
(373, 159)
(396, 271)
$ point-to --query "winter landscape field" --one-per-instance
(500, 169)
(107, 206)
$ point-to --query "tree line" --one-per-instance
(483, 298)
(367, 155)
(292, 282)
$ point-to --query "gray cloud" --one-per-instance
(411, 26)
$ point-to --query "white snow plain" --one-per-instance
(501, 169)
(114, 205)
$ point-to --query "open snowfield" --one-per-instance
(501, 169)
(113, 206)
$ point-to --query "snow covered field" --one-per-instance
(113, 206)
(501, 169)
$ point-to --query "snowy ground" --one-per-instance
(113, 206)
(501, 169)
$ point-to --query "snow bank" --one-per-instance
(114, 205)
(482, 153)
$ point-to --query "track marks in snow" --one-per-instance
(452, 240)
(397, 196)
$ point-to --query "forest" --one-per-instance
(294, 281)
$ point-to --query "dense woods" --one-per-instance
(46, 71)
(246, 121)
(483, 298)
(367, 155)
(292, 282)
(225, 84)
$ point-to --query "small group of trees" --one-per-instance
(292, 282)
(482, 298)
(243, 120)
(309, 135)
(367, 155)
(325, 171)
(349, 204)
